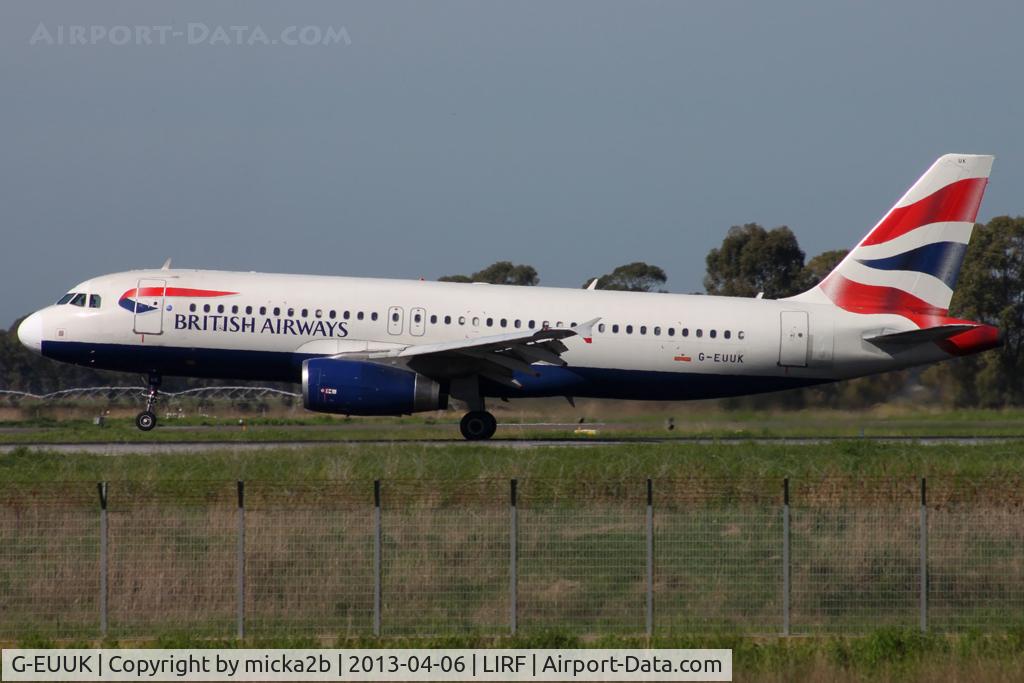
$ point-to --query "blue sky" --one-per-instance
(442, 136)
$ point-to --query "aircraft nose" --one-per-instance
(30, 332)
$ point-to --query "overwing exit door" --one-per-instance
(396, 321)
(149, 306)
(793, 344)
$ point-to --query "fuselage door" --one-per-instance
(794, 339)
(395, 320)
(418, 322)
(149, 306)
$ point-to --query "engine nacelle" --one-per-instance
(359, 387)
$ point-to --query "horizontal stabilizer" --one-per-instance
(928, 334)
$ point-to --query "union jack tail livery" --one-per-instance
(908, 264)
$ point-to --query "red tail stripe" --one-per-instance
(174, 291)
(957, 201)
(857, 297)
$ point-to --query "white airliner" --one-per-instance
(364, 346)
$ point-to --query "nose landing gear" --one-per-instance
(146, 420)
(478, 425)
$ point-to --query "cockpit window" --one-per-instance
(94, 301)
(79, 300)
(66, 298)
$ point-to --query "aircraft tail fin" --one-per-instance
(909, 262)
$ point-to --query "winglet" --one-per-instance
(593, 283)
(586, 330)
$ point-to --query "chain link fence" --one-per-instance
(492, 557)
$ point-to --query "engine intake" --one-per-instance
(357, 387)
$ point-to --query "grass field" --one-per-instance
(852, 460)
(847, 529)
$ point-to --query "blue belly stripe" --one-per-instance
(276, 366)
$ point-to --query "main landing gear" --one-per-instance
(478, 425)
(146, 420)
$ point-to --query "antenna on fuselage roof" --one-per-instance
(166, 265)
(593, 283)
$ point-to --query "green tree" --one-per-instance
(991, 290)
(752, 260)
(499, 273)
(818, 268)
(632, 277)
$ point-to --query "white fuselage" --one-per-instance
(645, 345)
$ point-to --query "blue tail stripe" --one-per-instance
(940, 259)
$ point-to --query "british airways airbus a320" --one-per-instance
(392, 347)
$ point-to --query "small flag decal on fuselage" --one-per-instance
(684, 359)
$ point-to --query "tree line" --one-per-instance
(751, 261)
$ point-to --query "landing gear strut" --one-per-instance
(146, 420)
(478, 425)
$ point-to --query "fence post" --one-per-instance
(785, 557)
(101, 487)
(650, 558)
(240, 562)
(513, 559)
(924, 556)
(376, 558)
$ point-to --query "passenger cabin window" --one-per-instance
(643, 329)
(504, 322)
(433, 319)
(519, 323)
(263, 310)
(727, 334)
(686, 332)
(712, 333)
(490, 322)
(531, 324)
(447, 320)
(699, 332)
(277, 310)
(359, 315)
(332, 314)
(373, 316)
(615, 329)
(657, 331)
(192, 308)
(319, 313)
(394, 317)
(66, 298)
(417, 318)
(291, 312)
(671, 331)
(347, 315)
(305, 313)
(94, 301)
(248, 310)
(600, 328)
(206, 308)
(629, 329)
(220, 308)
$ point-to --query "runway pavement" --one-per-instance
(131, 448)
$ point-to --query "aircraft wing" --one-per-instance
(496, 357)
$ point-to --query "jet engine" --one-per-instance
(359, 387)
